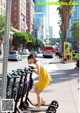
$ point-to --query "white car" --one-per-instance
(25, 51)
(14, 55)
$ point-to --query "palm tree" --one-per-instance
(65, 12)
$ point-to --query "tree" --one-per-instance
(2, 23)
(20, 38)
(25, 39)
(75, 31)
(65, 12)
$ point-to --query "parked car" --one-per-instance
(14, 55)
(25, 52)
(48, 51)
(59, 53)
(34, 52)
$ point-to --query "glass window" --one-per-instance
(15, 3)
(15, 8)
(15, 19)
(15, 13)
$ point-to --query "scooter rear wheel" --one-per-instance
(51, 109)
(55, 104)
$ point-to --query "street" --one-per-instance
(42, 28)
(64, 87)
(13, 65)
(49, 63)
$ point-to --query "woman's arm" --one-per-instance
(37, 71)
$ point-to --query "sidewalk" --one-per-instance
(64, 89)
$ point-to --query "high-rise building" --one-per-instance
(40, 8)
(50, 31)
(30, 14)
(41, 19)
(74, 18)
(2, 7)
(18, 15)
(39, 27)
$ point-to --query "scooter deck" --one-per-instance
(34, 104)
(34, 109)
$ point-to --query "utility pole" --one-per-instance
(6, 47)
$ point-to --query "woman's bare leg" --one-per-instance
(42, 100)
(39, 99)
(38, 93)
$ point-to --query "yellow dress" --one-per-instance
(44, 79)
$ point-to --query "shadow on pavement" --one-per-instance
(60, 76)
(56, 62)
(64, 75)
(44, 57)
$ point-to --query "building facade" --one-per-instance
(41, 20)
(50, 31)
(74, 18)
(18, 15)
(2, 7)
(30, 14)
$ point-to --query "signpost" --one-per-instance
(6, 47)
(66, 49)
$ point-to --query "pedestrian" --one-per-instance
(44, 79)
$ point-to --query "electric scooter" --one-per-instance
(52, 107)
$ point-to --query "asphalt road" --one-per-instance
(13, 65)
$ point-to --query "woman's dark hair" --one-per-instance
(32, 56)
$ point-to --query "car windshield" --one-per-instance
(12, 52)
(48, 48)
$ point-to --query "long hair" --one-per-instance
(32, 56)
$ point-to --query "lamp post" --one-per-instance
(6, 47)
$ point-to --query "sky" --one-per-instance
(54, 18)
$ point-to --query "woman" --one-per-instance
(44, 79)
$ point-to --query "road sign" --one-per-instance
(66, 49)
(61, 35)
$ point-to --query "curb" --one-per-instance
(69, 61)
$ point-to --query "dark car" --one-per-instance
(58, 53)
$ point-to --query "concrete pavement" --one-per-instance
(64, 87)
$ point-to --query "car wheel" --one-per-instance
(43, 56)
(52, 56)
(18, 59)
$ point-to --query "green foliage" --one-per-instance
(26, 40)
(2, 23)
(20, 37)
(75, 31)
